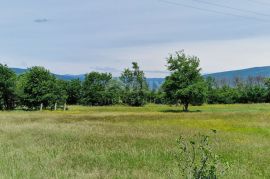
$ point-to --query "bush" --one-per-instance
(135, 98)
(196, 159)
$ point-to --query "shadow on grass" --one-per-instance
(179, 111)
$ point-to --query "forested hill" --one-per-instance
(244, 73)
(19, 71)
(155, 83)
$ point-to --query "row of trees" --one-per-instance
(251, 90)
(38, 88)
(212, 92)
(186, 86)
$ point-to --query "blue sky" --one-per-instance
(74, 37)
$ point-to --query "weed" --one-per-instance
(197, 159)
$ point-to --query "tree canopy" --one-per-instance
(185, 85)
(39, 86)
(7, 88)
(94, 89)
(135, 86)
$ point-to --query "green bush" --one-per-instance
(197, 160)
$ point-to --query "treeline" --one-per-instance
(185, 86)
(38, 89)
(250, 90)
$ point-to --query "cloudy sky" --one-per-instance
(74, 37)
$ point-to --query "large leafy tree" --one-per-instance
(39, 86)
(94, 89)
(135, 86)
(185, 85)
(7, 88)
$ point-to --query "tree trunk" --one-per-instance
(55, 106)
(41, 106)
(185, 108)
(65, 106)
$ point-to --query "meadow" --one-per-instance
(127, 142)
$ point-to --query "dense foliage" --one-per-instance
(37, 88)
(74, 91)
(252, 90)
(185, 85)
(95, 91)
(40, 87)
(7, 88)
(135, 86)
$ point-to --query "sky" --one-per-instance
(76, 37)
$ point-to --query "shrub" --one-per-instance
(197, 160)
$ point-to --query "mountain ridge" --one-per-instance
(263, 71)
(155, 83)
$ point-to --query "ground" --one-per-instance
(126, 142)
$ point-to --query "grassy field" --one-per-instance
(124, 142)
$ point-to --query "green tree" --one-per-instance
(114, 91)
(185, 85)
(7, 88)
(227, 95)
(94, 89)
(135, 85)
(58, 93)
(267, 88)
(74, 91)
(212, 92)
(38, 87)
(160, 97)
(151, 96)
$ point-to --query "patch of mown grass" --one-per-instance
(126, 142)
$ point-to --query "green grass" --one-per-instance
(125, 142)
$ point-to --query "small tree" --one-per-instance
(7, 88)
(185, 85)
(135, 86)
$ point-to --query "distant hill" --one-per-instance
(244, 73)
(155, 83)
(69, 77)
(19, 71)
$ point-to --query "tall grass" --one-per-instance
(125, 142)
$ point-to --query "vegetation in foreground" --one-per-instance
(126, 142)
